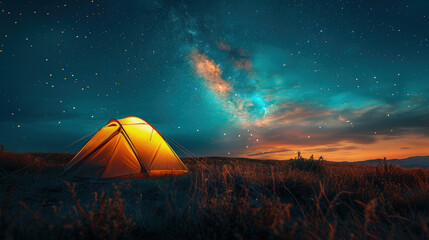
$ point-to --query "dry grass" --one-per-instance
(221, 199)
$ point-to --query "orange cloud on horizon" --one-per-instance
(391, 147)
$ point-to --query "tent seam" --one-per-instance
(133, 148)
(177, 157)
(156, 152)
(110, 157)
(92, 152)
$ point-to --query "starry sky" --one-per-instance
(348, 80)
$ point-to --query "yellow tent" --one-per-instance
(128, 147)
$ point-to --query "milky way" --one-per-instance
(265, 79)
(241, 109)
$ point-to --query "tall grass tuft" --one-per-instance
(223, 198)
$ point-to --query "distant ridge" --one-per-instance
(417, 161)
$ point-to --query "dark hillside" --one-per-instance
(223, 198)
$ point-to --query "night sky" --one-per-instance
(348, 80)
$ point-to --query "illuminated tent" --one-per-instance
(127, 147)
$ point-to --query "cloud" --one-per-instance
(314, 128)
(296, 113)
(333, 149)
(270, 152)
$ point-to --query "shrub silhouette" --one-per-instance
(307, 164)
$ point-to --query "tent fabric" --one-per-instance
(123, 161)
(124, 148)
(99, 139)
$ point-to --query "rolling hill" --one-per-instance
(417, 161)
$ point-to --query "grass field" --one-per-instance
(223, 198)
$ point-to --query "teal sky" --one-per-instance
(296, 75)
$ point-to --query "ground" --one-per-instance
(222, 198)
